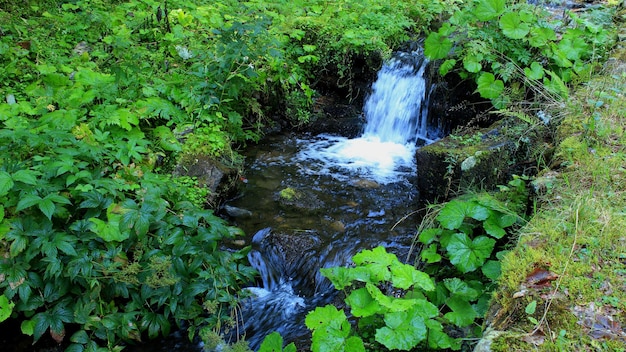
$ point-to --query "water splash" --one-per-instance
(396, 112)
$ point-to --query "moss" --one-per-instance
(577, 233)
(289, 194)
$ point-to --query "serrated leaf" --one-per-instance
(25, 176)
(47, 207)
(403, 330)
(487, 10)
(462, 313)
(467, 254)
(541, 36)
(512, 26)
(6, 183)
(488, 86)
(452, 215)
(493, 229)
(272, 343)
(6, 308)
(458, 287)
(27, 201)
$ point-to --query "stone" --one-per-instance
(483, 158)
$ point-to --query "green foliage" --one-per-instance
(392, 321)
(274, 343)
(517, 50)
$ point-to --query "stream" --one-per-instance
(313, 201)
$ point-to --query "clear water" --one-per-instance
(358, 191)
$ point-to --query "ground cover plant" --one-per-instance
(100, 246)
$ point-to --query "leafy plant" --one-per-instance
(395, 322)
(516, 50)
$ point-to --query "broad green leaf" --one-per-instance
(487, 10)
(555, 84)
(108, 231)
(274, 343)
(6, 183)
(438, 339)
(573, 46)
(493, 228)
(458, 287)
(327, 316)
(403, 330)
(541, 36)
(462, 313)
(26, 176)
(430, 254)
(27, 201)
(446, 66)
(1, 217)
(6, 308)
(472, 63)
(353, 344)
(534, 72)
(362, 304)
(404, 276)
(491, 269)
(488, 86)
(28, 327)
(512, 26)
(467, 254)
(437, 46)
(47, 207)
(429, 235)
(452, 215)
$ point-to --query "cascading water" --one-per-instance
(356, 190)
(396, 112)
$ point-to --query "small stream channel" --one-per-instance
(313, 201)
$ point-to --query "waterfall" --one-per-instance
(396, 113)
(290, 284)
(397, 108)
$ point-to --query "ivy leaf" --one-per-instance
(467, 254)
(486, 10)
(512, 26)
(437, 46)
(462, 313)
(488, 86)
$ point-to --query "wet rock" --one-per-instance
(291, 199)
(236, 212)
(210, 174)
(482, 158)
(363, 183)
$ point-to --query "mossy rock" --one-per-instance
(211, 174)
(480, 159)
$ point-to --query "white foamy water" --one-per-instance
(396, 113)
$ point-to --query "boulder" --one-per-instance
(480, 158)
